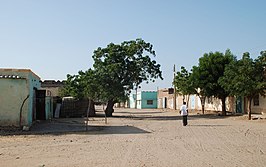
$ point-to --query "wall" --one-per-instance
(194, 103)
(48, 107)
(34, 83)
(132, 98)
(139, 96)
(148, 95)
(165, 100)
(13, 93)
(52, 87)
(15, 86)
(261, 108)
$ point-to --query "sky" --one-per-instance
(54, 38)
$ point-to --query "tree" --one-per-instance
(82, 85)
(211, 67)
(71, 87)
(183, 84)
(246, 78)
(198, 83)
(123, 67)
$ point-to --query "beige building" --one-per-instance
(52, 87)
(234, 105)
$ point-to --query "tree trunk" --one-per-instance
(92, 109)
(202, 100)
(109, 109)
(187, 100)
(249, 108)
(202, 108)
(223, 106)
(136, 100)
(87, 118)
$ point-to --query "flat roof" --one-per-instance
(19, 70)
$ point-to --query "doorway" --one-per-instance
(239, 105)
(165, 102)
(40, 104)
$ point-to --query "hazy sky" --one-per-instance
(57, 37)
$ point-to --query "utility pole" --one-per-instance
(136, 100)
(174, 89)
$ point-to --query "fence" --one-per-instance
(72, 108)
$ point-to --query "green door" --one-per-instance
(239, 104)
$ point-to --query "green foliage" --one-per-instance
(82, 85)
(182, 82)
(71, 87)
(123, 67)
(245, 77)
(118, 68)
(211, 67)
(205, 76)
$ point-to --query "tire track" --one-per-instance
(196, 148)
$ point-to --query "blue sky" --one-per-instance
(57, 37)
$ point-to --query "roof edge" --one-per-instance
(19, 70)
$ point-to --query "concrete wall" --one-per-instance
(142, 98)
(145, 96)
(13, 93)
(52, 87)
(15, 86)
(34, 83)
(48, 107)
(132, 98)
(166, 100)
(258, 109)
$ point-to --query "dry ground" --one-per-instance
(138, 138)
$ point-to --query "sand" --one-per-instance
(138, 138)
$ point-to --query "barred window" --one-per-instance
(149, 102)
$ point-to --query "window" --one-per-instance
(171, 91)
(256, 100)
(149, 102)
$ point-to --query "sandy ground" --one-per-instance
(138, 138)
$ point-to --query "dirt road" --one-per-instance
(139, 138)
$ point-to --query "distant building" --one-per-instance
(52, 87)
(166, 98)
(145, 100)
(21, 100)
(233, 104)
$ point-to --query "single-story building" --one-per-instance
(52, 87)
(233, 104)
(145, 100)
(21, 100)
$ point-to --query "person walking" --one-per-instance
(184, 113)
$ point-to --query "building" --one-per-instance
(166, 99)
(52, 87)
(21, 100)
(233, 104)
(145, 100)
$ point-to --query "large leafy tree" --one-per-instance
(210, 68)
(122, 67)
(245, 77)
